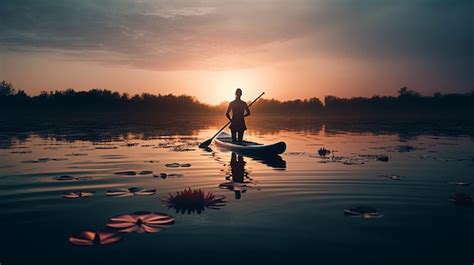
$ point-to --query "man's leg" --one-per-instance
(234, 135)
(241, 136)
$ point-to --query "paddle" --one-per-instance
(209, 141)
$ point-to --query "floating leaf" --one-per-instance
(105, 147)
(145, 172)
(161, 175)
(178, 165)
(164, 175)
(79, 194)
(89, 238)
(131, 192)
(76, 154)
(141, 222)
(460, 183)
(392, 177)
(65, 178)
(172, 165)
(129, 173)
(363, 211)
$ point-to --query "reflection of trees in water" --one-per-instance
(98, 130)
(237, 176)
(406, 130)
(103, 129)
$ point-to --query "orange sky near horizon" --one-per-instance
(295, 80)
(207, 49)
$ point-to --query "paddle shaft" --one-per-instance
(227, 124)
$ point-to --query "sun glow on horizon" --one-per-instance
(218, 87)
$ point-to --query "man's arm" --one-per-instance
(227, 113)
(247, 110)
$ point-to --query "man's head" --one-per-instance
(238, 92)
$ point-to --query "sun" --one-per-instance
(221, 85)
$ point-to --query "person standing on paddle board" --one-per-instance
(240, 110)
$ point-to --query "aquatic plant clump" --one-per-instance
(89, 238)
(191, 201)
(141, 222)
(323, 152)
(363, 211)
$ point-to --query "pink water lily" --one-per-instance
(89, 238)
(191, 201)
(79, 194)
(141, 222)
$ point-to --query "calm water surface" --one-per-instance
(288, 209)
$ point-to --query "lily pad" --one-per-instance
(460, 183)
(141, 222)
(128, 172)
(64, 178)
(165, 175)
(131, 192)
(89, 238)
(178, 165)
(76, 154)
(363, 211)
(79, 194)
(392, 177)
(172, 165)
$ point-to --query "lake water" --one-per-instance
(283, 210)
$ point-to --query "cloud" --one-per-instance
(177, 35)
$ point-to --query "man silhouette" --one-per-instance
(240, 110)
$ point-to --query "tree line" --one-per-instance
(407, 103)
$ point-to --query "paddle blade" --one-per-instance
(205, 143)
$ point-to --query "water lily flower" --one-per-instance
(191, 201)
(141, 222)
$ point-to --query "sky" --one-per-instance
(289, 49)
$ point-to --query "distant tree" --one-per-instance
(405, 92)
(6, 89)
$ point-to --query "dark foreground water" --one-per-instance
(281, 210)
